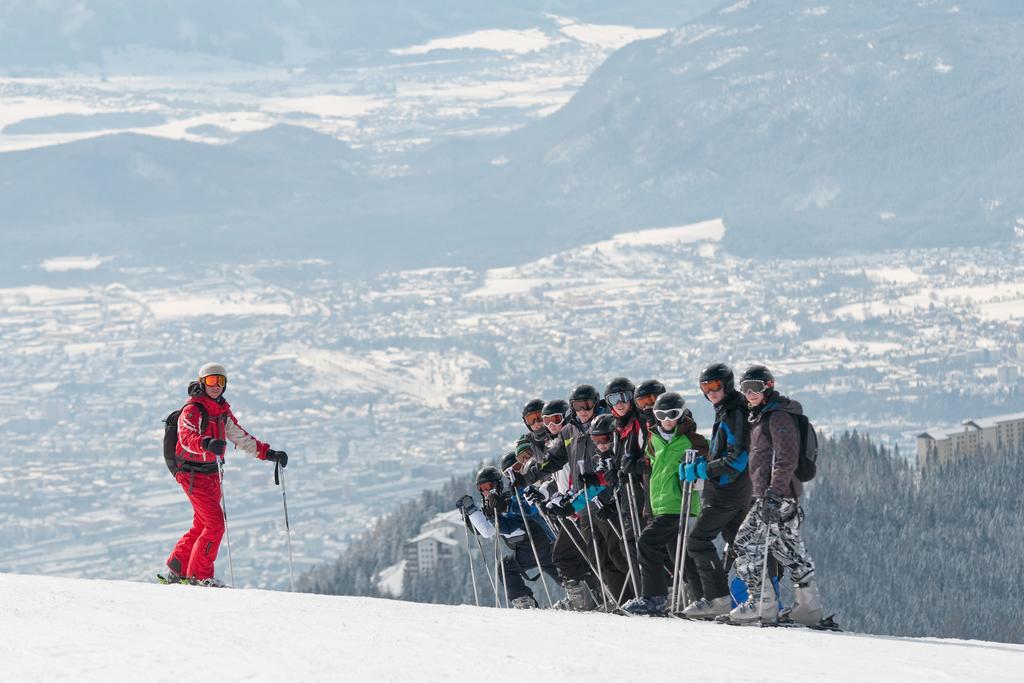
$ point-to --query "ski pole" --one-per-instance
(625, 545)
(487, 568)
(684, 503)
(634, 512)
(499, 562)
(469, 551)
(279, 479)
(533, 546)
(593, 537)
(681, 541)
(224, 509)
(767, 544)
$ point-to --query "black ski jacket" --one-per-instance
(729, 457)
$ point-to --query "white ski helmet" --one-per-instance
(212, 369)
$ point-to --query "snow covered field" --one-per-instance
(69, 629)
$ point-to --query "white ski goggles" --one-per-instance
(668, 415)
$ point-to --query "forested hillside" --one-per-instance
(899, 552)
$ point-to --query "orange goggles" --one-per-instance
(533, 418)
(215, 381)
(711, 385)
(646, 401)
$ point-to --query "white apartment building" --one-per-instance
(971, 437)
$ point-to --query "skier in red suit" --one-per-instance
(202, 440)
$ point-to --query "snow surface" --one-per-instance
(516, 280)
(497, 40)
(63, 264)
(79, 630)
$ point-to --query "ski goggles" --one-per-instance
(487, 486)
(617, 397)
(583, 405)
(646, 401)
(669, 415)
(215, 381)
(555, 419)
(601, 438)
(533, 419)
(752, 386)
(711, 385)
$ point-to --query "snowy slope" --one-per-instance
(53, 629)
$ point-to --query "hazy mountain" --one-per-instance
(821, 130)
(59, 33)
(851, 126)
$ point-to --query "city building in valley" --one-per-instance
(971, 437)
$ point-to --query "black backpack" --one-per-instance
(174, 463)
(807, 464)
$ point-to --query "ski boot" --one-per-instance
(211, 582)
(171, 577)
(708, 609)
(648, 607)
(578, 597)
(173, 574)
(806, 604)
(581, 598)
(750, 612)
(525, 602)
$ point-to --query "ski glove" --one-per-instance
(280, 457)
(771, 507)
(466, 505)
(589, 479)
(630, 465)
(691, 472)
(560, 507)
(215, 446)
(605, 508)
(533, 495)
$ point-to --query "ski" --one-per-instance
(167, 582)
(188, 582)
(826, 624)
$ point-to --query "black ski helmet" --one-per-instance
(490, 474)
(534, 405)
(669, 401)
(585, 392)
(649, 387)
(720, 371)
(507, 461)
(603, 424)
(558, 406)
(758, 373)
(619, 384)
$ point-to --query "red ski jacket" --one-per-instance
(221, 424)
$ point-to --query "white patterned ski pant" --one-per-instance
(784, 543)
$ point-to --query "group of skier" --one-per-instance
(619, 498)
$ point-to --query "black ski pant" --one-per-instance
(565, 554)
(658, 556)
(522, 559)
(715, 518)
(614, 563)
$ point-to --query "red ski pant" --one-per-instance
(197, 549)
